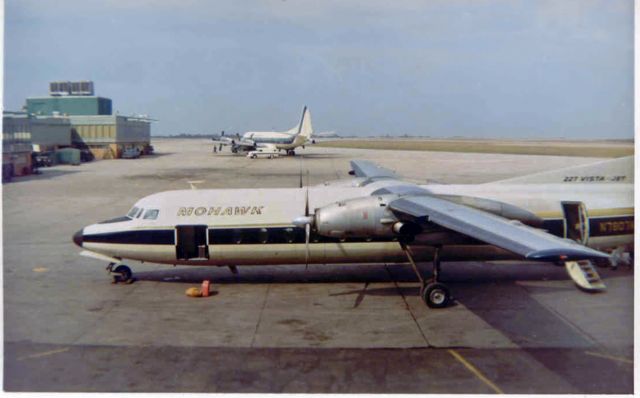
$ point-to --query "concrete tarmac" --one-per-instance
(515, 327)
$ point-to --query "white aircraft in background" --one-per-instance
(326, 134)
(563, 216)
(272, 141)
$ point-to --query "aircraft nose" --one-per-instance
(77, 238)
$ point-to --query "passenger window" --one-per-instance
(263, 235)
(151, 214)
(237, 236)
(289, 235)
(221, 236)
(132, 213)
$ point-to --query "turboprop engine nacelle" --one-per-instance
(360, 218)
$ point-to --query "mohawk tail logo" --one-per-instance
(219, 211)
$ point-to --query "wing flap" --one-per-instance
(531, 243)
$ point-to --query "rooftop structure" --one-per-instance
(83, 87)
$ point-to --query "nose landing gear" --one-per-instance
(122, 273)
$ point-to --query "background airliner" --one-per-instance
(275, 141)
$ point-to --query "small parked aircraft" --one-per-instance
(272, 141)
(565, 216)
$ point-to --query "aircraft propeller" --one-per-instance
(305, 221)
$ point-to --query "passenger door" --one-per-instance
(191, 242)
(576, 221)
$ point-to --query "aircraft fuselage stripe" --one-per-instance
(139, 237)
(598, 226)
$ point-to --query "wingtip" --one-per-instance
(565, 255)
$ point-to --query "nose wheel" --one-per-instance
(122, 273)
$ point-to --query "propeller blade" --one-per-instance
(306, 202)
(307, 232)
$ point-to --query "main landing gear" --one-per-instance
(433, 293)
(121, 273)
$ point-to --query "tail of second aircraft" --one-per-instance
(305, 129)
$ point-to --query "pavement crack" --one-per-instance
(264, 304)
(406, 304)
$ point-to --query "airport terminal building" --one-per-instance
(23, 133)
(92, 124)
(106, 136)
(47, 133)
(16, 146)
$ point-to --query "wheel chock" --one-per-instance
(202, 291)
(193, 292)
(205, 288)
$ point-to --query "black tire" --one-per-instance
(124, 273)
(436, 295)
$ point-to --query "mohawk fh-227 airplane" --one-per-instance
(258, 143)
(564, 216)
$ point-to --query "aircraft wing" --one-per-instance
(246, 143)
(365, 168)
(234, 141)
(221, 142)
(531, 243)
(267, 146)
(224, 140)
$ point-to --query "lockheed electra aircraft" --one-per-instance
(568, 216)
(273, 141)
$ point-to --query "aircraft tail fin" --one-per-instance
(305, 129)
(618, 170)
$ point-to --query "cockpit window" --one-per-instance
(132, 213)
(139, 213)
(151, 214)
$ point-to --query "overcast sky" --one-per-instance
(522, 69)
